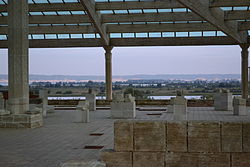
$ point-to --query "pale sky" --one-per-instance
(133, 60)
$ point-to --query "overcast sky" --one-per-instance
(133, 60)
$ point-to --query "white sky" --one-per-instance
(133, 60)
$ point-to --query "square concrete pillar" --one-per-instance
(123, 107)
(43, 94)
(91, 98)
(82, 112)
(18, 47)
(223, 101)
(239, 106)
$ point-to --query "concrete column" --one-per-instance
(18, 48)
(108, 62)
(244, 71)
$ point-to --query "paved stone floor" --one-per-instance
(61, 140)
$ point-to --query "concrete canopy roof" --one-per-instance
(89, 23)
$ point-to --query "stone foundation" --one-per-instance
(179, 144)
(21, 121)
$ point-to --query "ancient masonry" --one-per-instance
(179, 144)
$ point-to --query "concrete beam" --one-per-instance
(229, 3)
(160, 4)
(146, 17)
(215, 16)
(180, 41)
(127, 28)
(95, 17)
(129, 42)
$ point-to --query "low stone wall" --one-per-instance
(191, 103)
(21, 121)
(179, 144)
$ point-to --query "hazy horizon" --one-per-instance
(187, 60)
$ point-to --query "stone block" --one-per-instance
(123, 110)
(81, 116)
(117, 159)
(176, 136)
(148, 159)
(246, 136)
(21, 121)
(4, 112)
(35, 118)
(82, 112)
(129, 98)
(7, 118)
(240, 159)
(123, 136)
(231, 137)
(204, 137)
(12, 125)
(43, 94)
(149, 136)
(223, 101)
(118, 97)
(197, 160)
(21, 118)
(91, 98)
(239, 106)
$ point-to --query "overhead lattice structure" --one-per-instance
(89, 23)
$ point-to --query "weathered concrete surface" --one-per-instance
(240, 159)
(223, 101)
(21, 121)
(117, 159)
(204, 137)
(147, 131)
(176, 136)
(123, 107)
(246, 136)
(148, 159)
(18, 48)
(239, 106)
(124, 140)
(91, 98)
(82, 112)
(231, 137)
(43, 94)
(197, 159)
